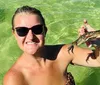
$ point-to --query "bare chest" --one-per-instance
(44, 76)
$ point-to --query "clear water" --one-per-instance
(63, 18)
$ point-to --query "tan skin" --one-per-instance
(32, 69)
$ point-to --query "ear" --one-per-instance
(13, 32)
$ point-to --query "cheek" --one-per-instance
(20, 41)
(41, 38)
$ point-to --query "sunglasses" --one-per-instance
(22, 31)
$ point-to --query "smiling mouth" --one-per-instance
(29, 43)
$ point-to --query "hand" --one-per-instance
(85, 28)
(82, 30)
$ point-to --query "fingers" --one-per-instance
(82, 30)
(85, 21)
(87, 26)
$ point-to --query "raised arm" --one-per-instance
(85, 56)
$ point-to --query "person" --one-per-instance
(42, 64)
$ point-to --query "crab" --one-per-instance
(88, 36)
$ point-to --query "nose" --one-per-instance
(30, 35)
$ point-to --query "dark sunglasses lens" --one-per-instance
(22, 31)
(37, 29)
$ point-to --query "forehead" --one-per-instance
(26, 19)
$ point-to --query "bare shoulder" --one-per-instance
(66, 49)
(13, 77)
(64, 54)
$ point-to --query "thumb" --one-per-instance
(85, 22)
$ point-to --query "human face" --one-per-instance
(31, 42)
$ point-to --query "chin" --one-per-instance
(32, 49)
(31, 52)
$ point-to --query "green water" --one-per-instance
(63, 18)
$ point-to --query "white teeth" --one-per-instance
(30, 42)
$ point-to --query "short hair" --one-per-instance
(31, 10)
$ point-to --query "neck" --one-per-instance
(35, 59)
